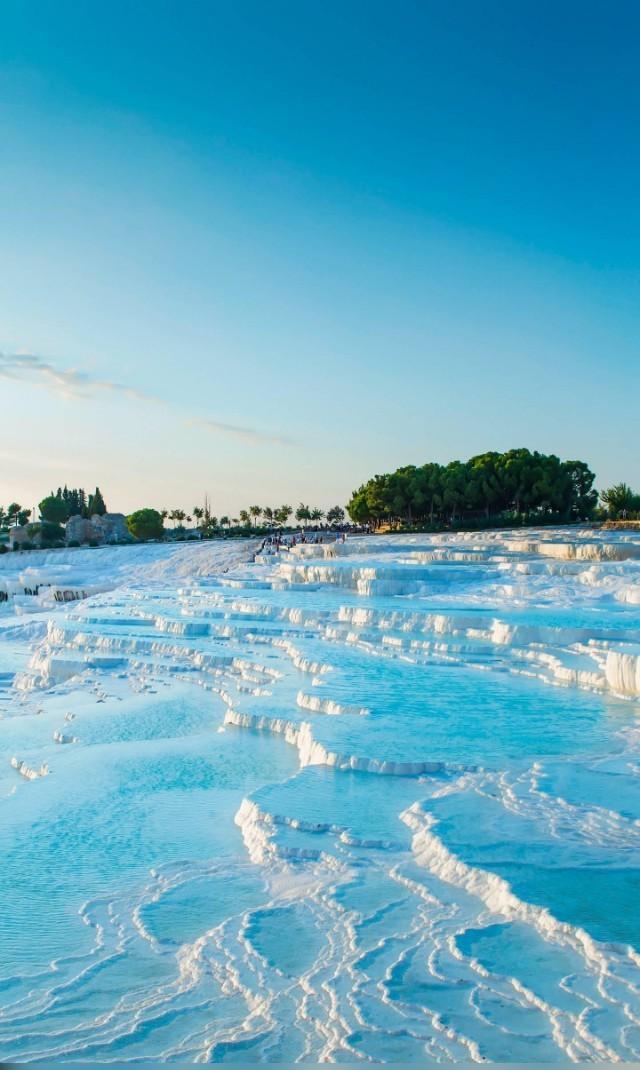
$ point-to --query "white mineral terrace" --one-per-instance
(350, 802)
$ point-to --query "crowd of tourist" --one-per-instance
(274, 544)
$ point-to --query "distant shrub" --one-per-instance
(27, 545)
(93, 543)
(52, 533)
(3, 549)
(73, 542)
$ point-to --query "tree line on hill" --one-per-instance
(256, 515)
(256, 519)
(58, 507)
(491, 489)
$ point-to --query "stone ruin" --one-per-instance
(110, 528)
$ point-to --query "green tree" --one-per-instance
(146, 524)
(396, 494)
(282, 514)
(177, 516)
(96, 504)
(454, 489)
(371, 503)
(13, 511)
(517, 477)
(317, 515)
(78, 504)
(618, 499)
(256, 511)
(358, 507)
(54, 509)
(303, 513)
(244, 517)
(485, 490)
(584, 497)
(335, 515)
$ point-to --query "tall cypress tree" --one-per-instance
(96, 504)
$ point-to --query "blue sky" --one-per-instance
(265, 250)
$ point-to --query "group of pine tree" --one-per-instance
(516, 487)
(61, 505)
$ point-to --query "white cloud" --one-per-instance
(247, 434)
(75, 385)
(69, 383)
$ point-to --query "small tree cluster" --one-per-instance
(60, 506)
(620, 502)
(13, 515)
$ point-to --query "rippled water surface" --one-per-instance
(373, 801)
